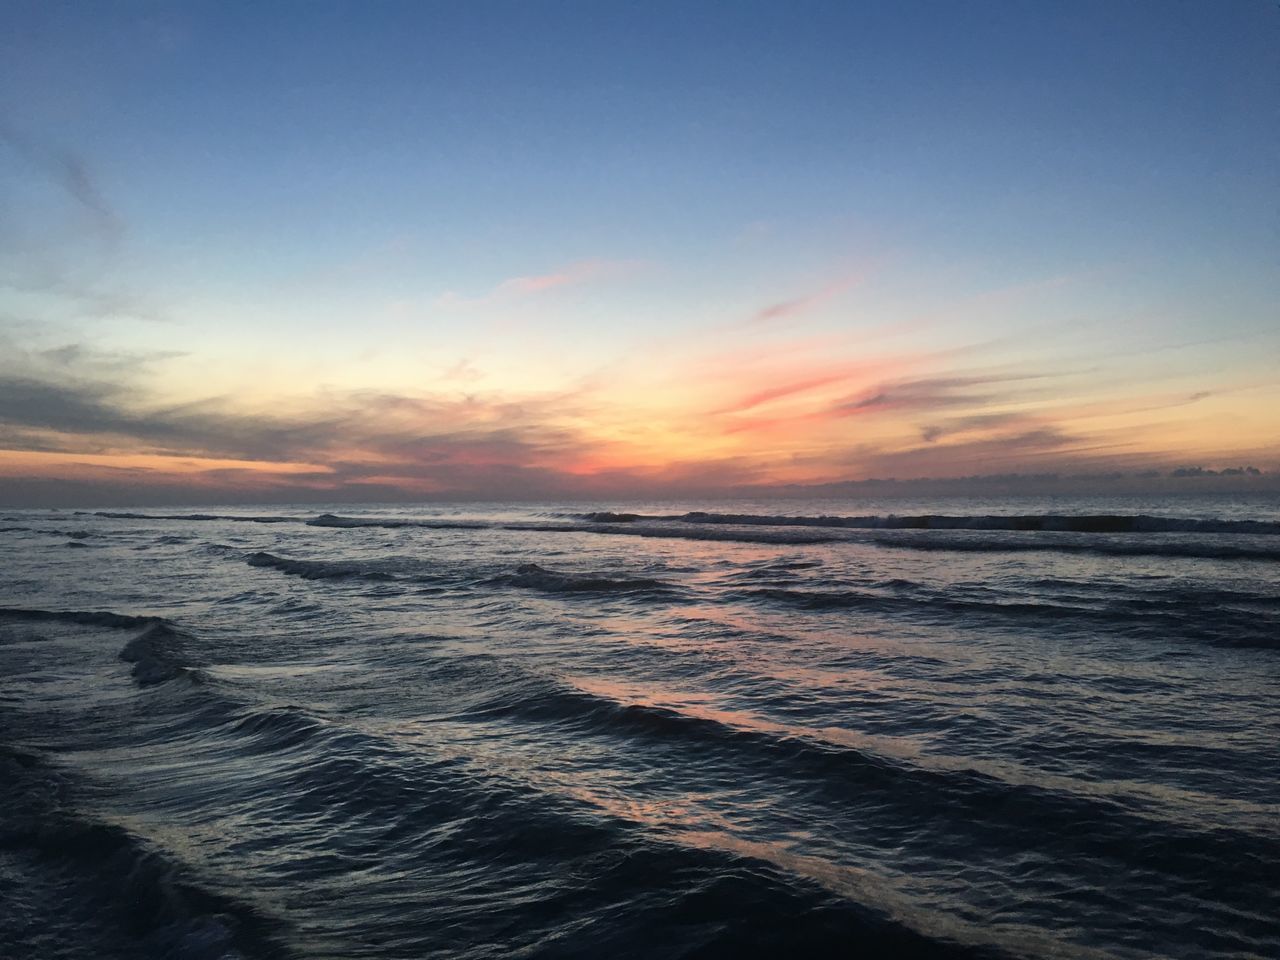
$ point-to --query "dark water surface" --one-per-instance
(1000, 729)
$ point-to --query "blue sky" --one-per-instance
(310, 199)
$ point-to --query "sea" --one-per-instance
(845, 728)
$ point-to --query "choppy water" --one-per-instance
(642, 730)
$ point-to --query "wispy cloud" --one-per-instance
(783, 390)
(802, 409)
(805, 303)
(513, 289)
(930, 393)
(68, 171)
(464, 371)
(82, 404)
(978, 422)
(62, 250)
(880, 398)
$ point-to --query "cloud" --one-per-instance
(67, 171)
(783, 308)
(518, 288)
(796, 306)
(749, 413)
(1019, 449)
(883, 398)
(930, 433)
(464, 371)
(929, 393)
(784, 390)
(424, 443)
(43, 258)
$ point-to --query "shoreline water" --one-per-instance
(466, 731)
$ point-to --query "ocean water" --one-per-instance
(848, 728)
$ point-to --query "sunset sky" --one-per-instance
(393, 250)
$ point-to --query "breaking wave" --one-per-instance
(156, 650)
(317, 569)
(388, 523)
(653, 530)
(96, 618)
(526, 575)
(539, 578)
(157, 655)
(1109, 548)
(1063, 523)
(194, 517)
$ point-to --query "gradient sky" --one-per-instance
(537, 249)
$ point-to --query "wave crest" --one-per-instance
(316, 569)
(116, 885)
(156, 655)
(540, 578)
(1047, 522)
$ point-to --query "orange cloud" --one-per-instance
(17, 463)
(779, 410)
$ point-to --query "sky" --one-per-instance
(318, 251)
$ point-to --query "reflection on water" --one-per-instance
(485, 731)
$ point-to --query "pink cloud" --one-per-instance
(809, 301)
(514, 288)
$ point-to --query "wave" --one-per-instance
(95, 618)
(653, 530)
(898, 796)
(800, 531)
(69, 534)
(637, 524)
(1193, 550)
(693, 532)
(74, 537)
(1049, 522)
(527, 575)
(115, 515)
(1180, 618)
(332, 782)
(539, 578)
(156, 651)
(280, 728)
(105, 883)
(156, 655)
(748, 901)
(390, 523)
(315, 767)
(607, 516)
(320, 768)
(317, 569)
